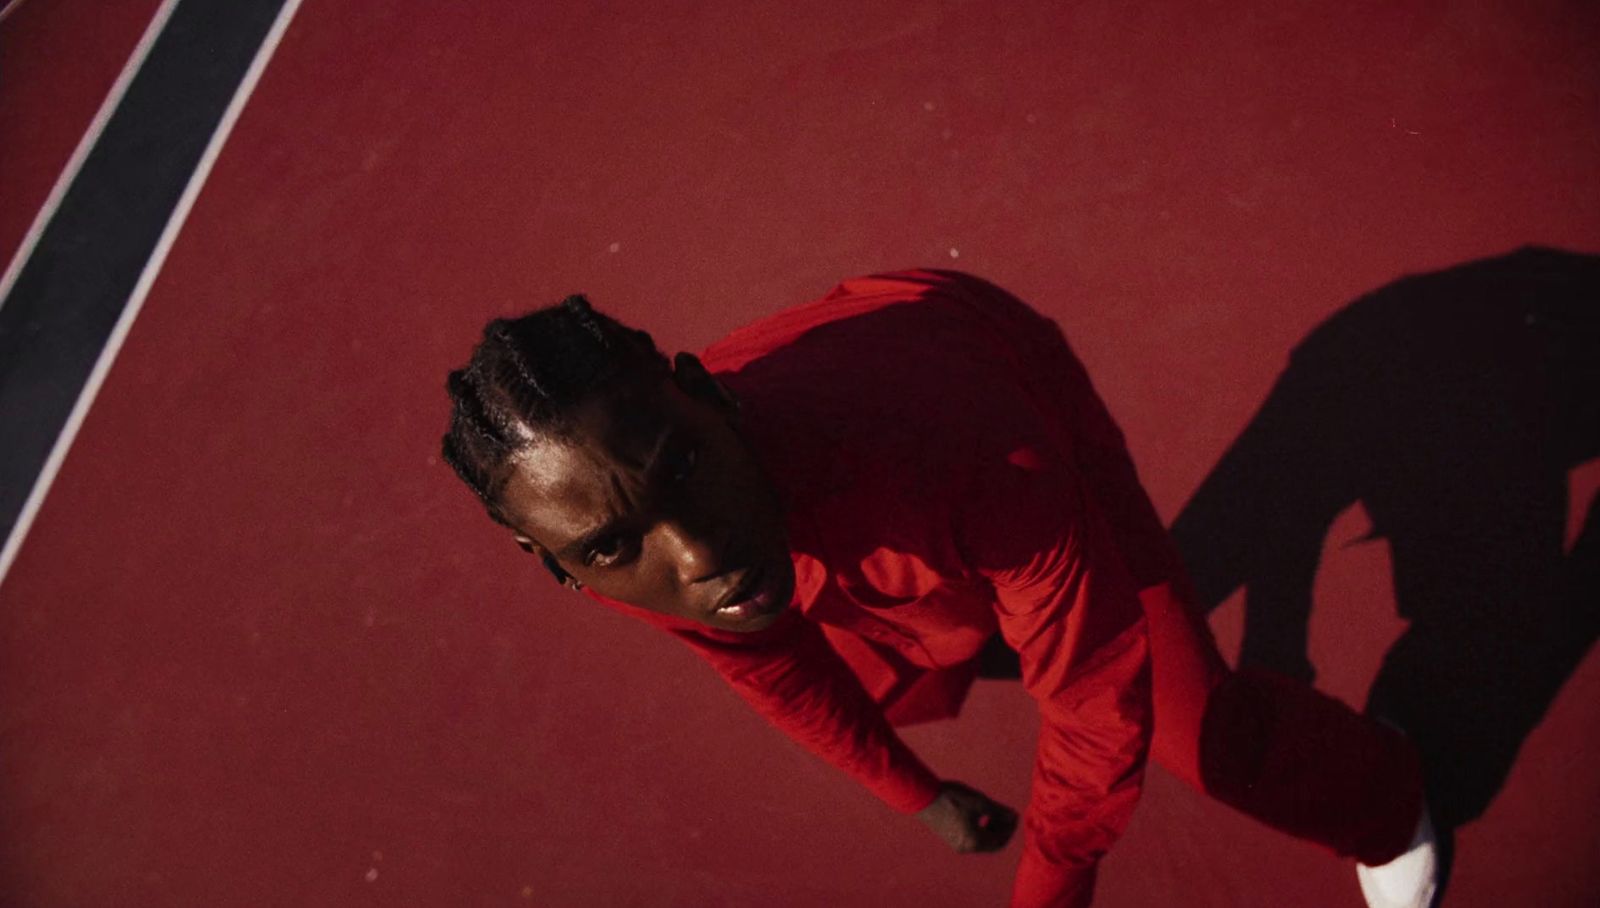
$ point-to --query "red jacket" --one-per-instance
(918, 426)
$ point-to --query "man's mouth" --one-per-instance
(755, 597)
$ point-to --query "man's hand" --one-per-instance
(968, 820)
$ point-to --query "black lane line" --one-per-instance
(74, 286)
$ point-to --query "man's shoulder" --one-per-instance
(857, 312)
(892, 381)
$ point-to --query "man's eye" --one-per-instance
(605, 551)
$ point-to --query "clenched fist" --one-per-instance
(967, 820)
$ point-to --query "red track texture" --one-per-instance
(58, 59)
(260, 648)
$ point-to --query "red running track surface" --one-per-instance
(259, 647)
(58, 60)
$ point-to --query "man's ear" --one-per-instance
(549, 562)
(695, 381)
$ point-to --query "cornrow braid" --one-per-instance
(524, 379)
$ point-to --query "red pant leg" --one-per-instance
(1275, 748)
(1270, 746)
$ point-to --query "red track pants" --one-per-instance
(1273, 747)
(1266, 744)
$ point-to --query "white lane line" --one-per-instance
(158, 257)
(85, 145)
(9, 8)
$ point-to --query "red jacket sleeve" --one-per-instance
(794, 679)
(1068, 605)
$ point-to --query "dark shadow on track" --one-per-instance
(1451, 405)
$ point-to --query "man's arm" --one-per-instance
(792, 677)
(1068, 605)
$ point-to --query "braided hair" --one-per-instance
(523, 382)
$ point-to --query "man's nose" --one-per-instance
(699, 553)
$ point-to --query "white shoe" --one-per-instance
(1408, 881)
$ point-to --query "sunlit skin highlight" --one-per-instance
(654, 499)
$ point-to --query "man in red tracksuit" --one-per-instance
(840, 506)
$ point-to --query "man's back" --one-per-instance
(922, 429)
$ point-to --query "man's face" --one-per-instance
(656, 501)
